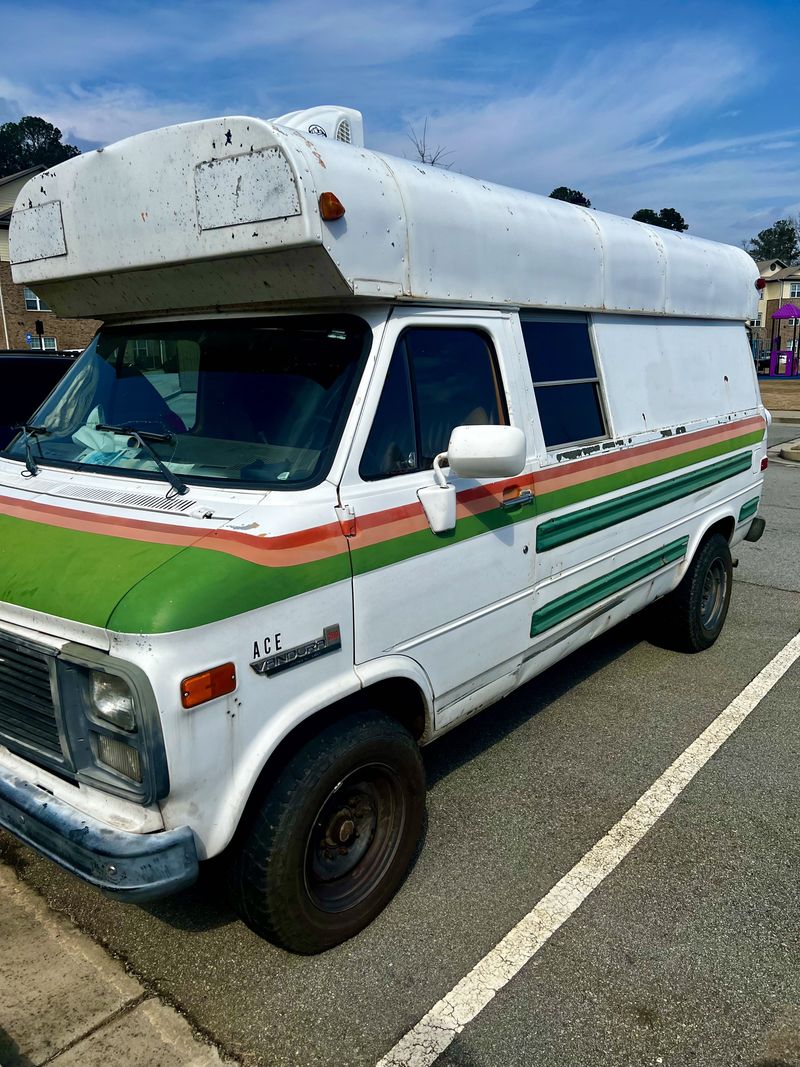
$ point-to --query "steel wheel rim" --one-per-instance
(354, 838)
(712, 600)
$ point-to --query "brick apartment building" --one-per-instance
(783, 287)
(20, 308)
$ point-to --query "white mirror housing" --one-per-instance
(486, 451)
(439, 505)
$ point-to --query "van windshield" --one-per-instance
(253, 401)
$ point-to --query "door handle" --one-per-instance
(518, 501)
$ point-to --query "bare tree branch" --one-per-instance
(433, 157)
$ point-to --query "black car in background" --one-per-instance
(26, 378)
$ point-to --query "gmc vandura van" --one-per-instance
(361, 446)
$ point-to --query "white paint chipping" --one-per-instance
(422, 1045)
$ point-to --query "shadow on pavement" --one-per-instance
(204, 906)
(483, 731)
(10, 1055)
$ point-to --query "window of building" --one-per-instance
(439, 378)
(32, 301)
(47, 343)
(565, 379)
(794, 289)
(146, 353)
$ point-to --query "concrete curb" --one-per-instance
(65, 1001)
(786, 416)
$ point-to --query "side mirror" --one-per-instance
(473, 452)
(486, 451)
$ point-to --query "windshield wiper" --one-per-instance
(143, 437)
(31, 431)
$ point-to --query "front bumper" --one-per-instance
(129, 866)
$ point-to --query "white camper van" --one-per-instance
(361, 446)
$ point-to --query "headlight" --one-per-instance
(112, 700)
(111, 728)
(119, 756)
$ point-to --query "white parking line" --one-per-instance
(422, 1045)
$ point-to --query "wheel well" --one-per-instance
(724, 526)
(399, 697)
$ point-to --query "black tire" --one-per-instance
(690, 619)
(329, 845)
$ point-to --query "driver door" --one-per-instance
(458, 603)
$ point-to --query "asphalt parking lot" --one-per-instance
(687, 953)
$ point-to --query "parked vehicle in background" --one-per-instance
(26, 378)
(361, 447)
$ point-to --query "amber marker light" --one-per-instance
(330, 207)
(216, 682)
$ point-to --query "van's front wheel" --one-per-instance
(330, 843)
(691, 618)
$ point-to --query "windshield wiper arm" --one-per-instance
(31, 431)
(143, 437)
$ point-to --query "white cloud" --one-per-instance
(614, 121)
(594, 117)
(339, 36)
(608, 126)
(103, 75)
(9, 109)
(101, 114)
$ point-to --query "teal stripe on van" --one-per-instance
(748, 509)
(564, 607)
(577, 524)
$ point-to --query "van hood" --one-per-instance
(133, 576)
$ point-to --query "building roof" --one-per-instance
(770, 264)
(22, 174)
(784, 274)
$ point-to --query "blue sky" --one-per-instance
(663, 103)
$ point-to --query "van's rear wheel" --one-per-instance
(691, 618)
(331, 842)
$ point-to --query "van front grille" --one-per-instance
(27, 714)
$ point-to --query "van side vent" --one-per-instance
(343, 132)
(125, 500)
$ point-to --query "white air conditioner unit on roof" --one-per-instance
(338, 123)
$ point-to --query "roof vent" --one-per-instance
(343, 124)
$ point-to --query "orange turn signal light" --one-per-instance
(330, 207)
(216, 682)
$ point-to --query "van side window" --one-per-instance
(391, 447)
(565, 379)
(439, 378)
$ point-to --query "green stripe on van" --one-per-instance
(748, 509)
(644, 472)
(564, 607)
(139, 586)
(566, 528)
(373, 557)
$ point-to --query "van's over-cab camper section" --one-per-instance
(225, 214)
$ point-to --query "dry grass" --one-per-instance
(781, 395)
